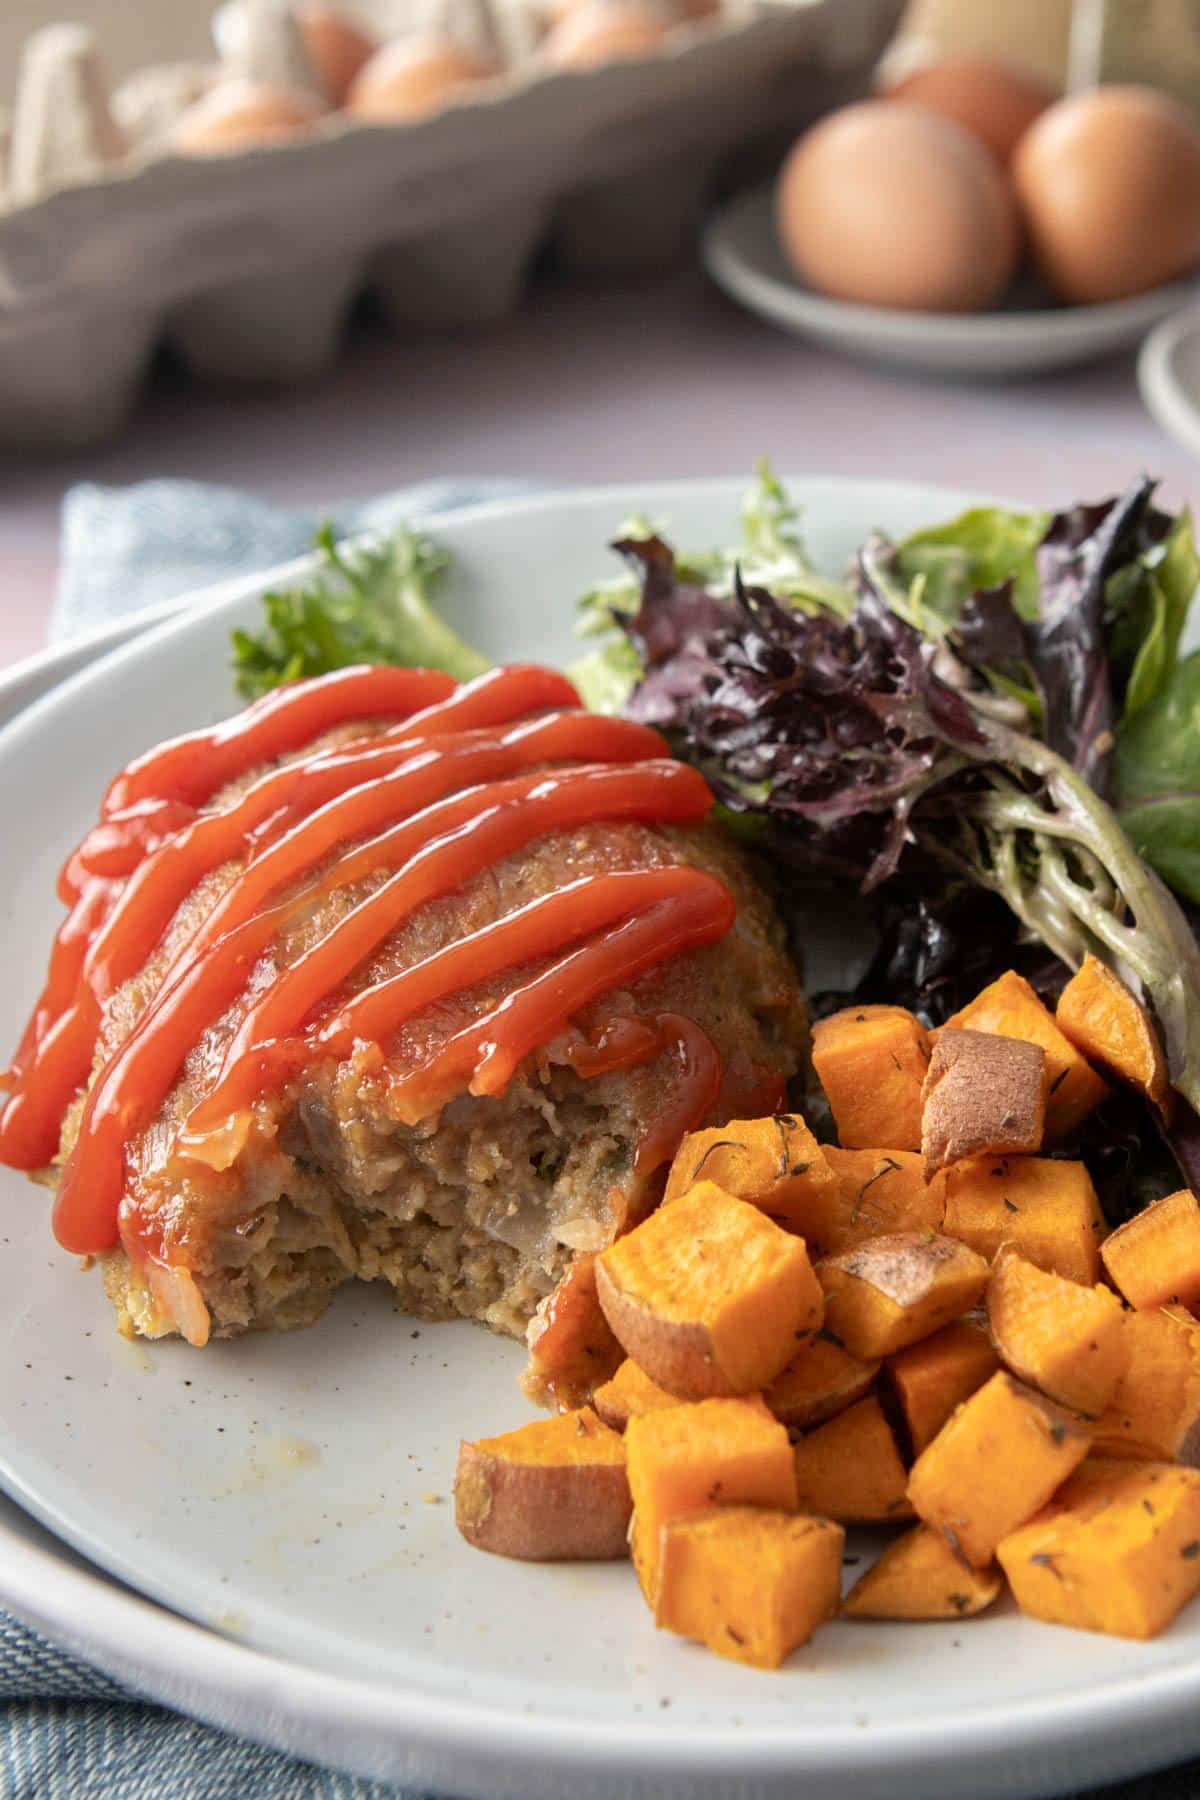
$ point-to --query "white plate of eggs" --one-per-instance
(969, 223)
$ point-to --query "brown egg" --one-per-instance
(1110, 186)
(601, 31)
(337, 48)
(995, 101)
(237, 114)
(413, 76)
(890, 205)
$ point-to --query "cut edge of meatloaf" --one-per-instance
(477, 1212)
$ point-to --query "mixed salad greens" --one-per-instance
(989, 725)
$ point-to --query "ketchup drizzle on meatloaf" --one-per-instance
(450, 780)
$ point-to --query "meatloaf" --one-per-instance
(479, 1209)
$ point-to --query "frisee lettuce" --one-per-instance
(370, 603)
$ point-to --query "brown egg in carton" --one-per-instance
(235, 210)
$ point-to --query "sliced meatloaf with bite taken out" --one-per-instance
(438, 1019)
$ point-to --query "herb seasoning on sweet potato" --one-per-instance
(708, 1296)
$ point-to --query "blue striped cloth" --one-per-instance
(67, 1732)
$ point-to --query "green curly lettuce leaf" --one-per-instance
(371, 603)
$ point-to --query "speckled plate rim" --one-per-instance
(467, 1748)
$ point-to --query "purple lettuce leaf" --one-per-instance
(832, 728)
(1065, 650)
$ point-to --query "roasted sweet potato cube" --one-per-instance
(571, 1346)
(690, 1458)
(920, 1576)
(871, 1061)
(931, 1378)
(1154, 1414)
(708, 1296)
(821, 1380)
(749, 1584)
(1045, 1208)
(994, 1464)
(1111, 1027)
(880, 1192)
(628, 1394)
(850, 1468)
(1065, 1339)
(983, 1095)
(1154, 1258)
(1117, 1550)
(554, 1490)
(1010, 1007)
(891, 1291)
(775, 1163)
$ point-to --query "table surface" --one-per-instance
(656, 378)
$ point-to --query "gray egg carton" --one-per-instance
(247, 263)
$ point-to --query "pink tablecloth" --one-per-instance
(657, 379)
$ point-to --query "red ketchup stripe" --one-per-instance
(445, 769)
(474, 831)
(343, 800)
(118, 844)
(484, 1056)
(694, 1091)
(449, 780)
(540, 928)
(195, 767)
(129, 840)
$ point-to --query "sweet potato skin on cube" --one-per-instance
(571, 1345)
(1010, 1007)
(709, 1297)
(751, 1585)
(871, 1062)
(821, 1380)
(994, 1464)
(628, 1394)
(850, 1469)
(691, 1458)
(879, 1192)
(1045, 1208)
(1154, 1258)
(775, 1163)
(1154, 1414)
(921, 1577)
(1117, 1550)
(1108, 1024)
(984, 1095)
(932, 1377)
(555, 1490)
(890, 1291)
(1064, 1339)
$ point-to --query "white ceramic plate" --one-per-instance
(1031, 335)
(277, 1490)
(1169, 377)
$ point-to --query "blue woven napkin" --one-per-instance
(67, 1732)
(126, 548)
